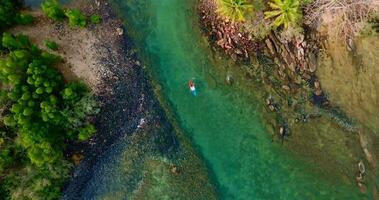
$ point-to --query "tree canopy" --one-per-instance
(53, 10)
(44, 113)
(235, 10)
(284, 12)
(76, 18)
(9, 14)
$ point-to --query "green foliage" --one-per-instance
(41, 107)
(95, 19)
(24, 19)
(33, 182)
(53, 10)
(12, 42)
(76, 18)
(78, 110)
(5, 159)
(86, 132)
(235, 10)
(7, 13)
(73, 92)
(51, 45)
(305, 2)
(3, 138)
(284, 12)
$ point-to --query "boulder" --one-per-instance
(229, 79)
(286, 87)
(120, 31)
(270, 46)
(312, 62)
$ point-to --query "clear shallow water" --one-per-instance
(222, 122)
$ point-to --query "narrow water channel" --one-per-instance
(223, 122)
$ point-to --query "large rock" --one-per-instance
(270, 46)
(120, 31)
(312, 62)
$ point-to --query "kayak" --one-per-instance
(192, 88)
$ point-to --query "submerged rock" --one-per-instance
(361, 167)
(120, 31)
(229, 80)
(77, 158)
(175, 170)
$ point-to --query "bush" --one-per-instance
(51, 45)
(7, 13)
(10, 16)
(5, 159)
(24, 19)
(78, 110)
(53, 10)
(86, 132)
(31, 182)
(95, 19)
(42, 105)
(15, 42)
(75, 18)
(41, 100)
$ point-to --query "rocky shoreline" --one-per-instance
(296, 58)
(131, 123)
(288, 67)
(123, 94)
(287, 71)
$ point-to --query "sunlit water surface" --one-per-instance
(223, 122)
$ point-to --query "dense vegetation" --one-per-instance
(349, 17)
(9, 14)
(40, 113)
(278, 14)
(44, 114)
(75, 17)
(53, 10)
(51, 45)
(95, 19)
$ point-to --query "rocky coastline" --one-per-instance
(131, 122)
(295, 58)
(290, 73)
(134, 127)
(286, 68)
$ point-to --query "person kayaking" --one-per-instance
(191, 86)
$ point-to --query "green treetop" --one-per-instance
(235, 10)
(284, 12)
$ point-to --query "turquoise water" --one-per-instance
(223, 123)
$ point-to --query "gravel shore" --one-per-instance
(121, 85)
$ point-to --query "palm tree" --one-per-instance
(285, 12)
(235, 10)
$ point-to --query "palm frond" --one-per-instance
(285, 12)
(235, 10)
